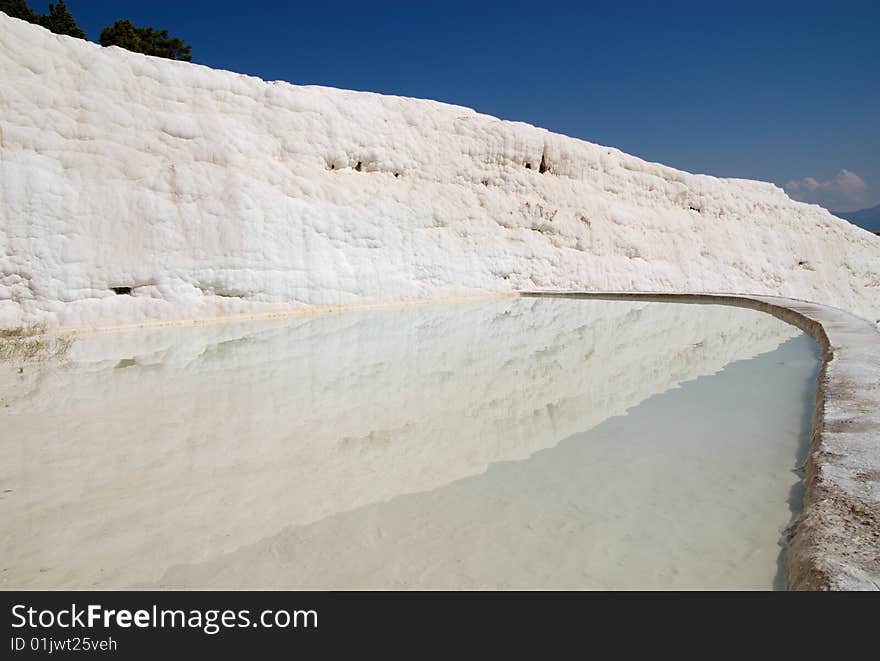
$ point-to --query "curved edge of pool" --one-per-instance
(834, 544)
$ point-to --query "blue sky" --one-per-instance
(780, 91)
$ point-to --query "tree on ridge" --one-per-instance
(125, 34)
(59, 19)
(18, 9)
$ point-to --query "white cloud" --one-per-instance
(846, 191)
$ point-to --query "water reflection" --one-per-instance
(374, 449)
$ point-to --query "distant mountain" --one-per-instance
(867, 218)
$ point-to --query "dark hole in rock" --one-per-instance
(396, 175)
(358, 166)
(528, 166)
(121, 290)
(545, 166)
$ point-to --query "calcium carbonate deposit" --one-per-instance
(134, 188)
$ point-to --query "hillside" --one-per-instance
(134, 188)
(869, 219)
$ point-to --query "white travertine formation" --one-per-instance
(207, 193)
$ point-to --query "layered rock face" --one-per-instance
(134, 189)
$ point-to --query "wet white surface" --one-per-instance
(514, 443)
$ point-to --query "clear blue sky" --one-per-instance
(771, 90)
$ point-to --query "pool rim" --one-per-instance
(834, 543)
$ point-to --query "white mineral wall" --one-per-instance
(209, 192)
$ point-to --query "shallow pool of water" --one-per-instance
(514, 443)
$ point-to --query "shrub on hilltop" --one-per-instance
(122, 33)
(59, 19)
(18, 9)
(148, 41)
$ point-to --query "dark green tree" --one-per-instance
(60, 21)
(123, 34)
(148, 41)
(18, 9)
(157, 42)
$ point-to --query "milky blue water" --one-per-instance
(514, 443)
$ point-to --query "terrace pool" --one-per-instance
(507, 443)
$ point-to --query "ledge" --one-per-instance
(834, 544)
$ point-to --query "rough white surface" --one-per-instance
(210, 193)
(842, 514)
